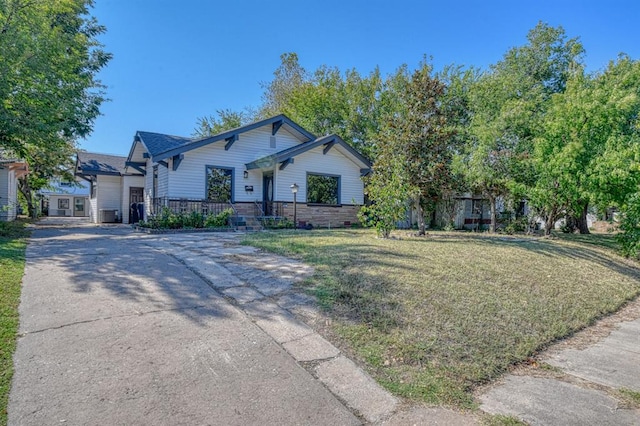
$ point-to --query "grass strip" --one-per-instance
(435, 317)
(12, 251)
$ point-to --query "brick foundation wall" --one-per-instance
(245, 209)
(317, 215)
(323, 216)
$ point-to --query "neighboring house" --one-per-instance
(253, 168)
(112, 188)
(11, 169)
(63, 198)
(461, 211)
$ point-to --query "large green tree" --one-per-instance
(49, 94)
(417, 146)
(508, 103)
(329, 101)
(287, 77)
(588, 151)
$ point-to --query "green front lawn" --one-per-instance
(432, 318)
(12, 248)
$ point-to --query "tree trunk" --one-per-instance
(492, 202)
(421, 224)
(581, 221)
(25, 189)
(550, 220)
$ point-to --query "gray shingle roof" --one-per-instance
(91, 163)
(157, 143)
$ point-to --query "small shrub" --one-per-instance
(514, 226)
(167, 219)
(218, 220)
(382, 216)
(449, 226)
(193, 220)
(14, 229)
(272, 223)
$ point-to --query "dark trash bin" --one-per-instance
(133, 213)
(140, 211)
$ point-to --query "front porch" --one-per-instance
(259, 214)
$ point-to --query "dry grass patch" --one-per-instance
(435, 317)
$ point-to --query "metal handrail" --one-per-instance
(235, 215)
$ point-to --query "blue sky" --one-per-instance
(175, 61)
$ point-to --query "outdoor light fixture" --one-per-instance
(246, 174)
(294, 190)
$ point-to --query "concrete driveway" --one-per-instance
(113, 331)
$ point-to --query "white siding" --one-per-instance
(148, 188)
(189, 181)
(314, 161)
(138, 151)
(163, 181)
(109, 194)
(127, 183)
(8, 195)
(54, 205)
(93, 209)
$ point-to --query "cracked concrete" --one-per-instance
(132, 336)
(264, 288)
(123, 328)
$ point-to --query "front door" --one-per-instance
(136, 200)
(78, 206)
(267, 194)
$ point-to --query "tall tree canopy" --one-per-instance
(49, 94)
(588, 149)
(508, 102)
(225, 119)
(328, 101)
(417, 144)
(286, 78)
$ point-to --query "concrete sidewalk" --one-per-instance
(582, 384)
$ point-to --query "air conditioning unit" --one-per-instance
(108, 216)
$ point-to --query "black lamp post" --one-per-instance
(294, 190)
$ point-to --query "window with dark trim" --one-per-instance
(323, 189)
(63, 203)
(219, 184)
(477, 206)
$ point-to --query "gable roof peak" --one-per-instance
(187, 144)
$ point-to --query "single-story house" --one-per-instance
(65, 198)
(254, 169)
(112, 187)
(11, 169)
